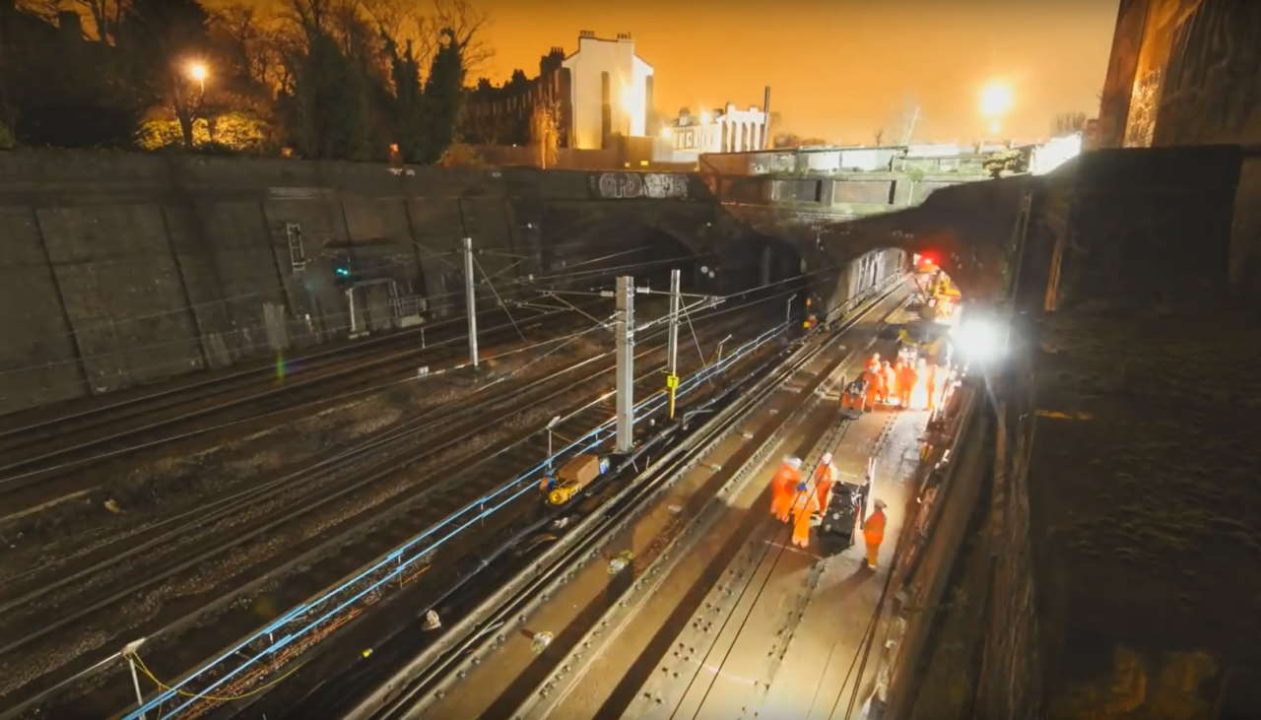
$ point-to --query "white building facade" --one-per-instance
(611, 90)
(728, 130)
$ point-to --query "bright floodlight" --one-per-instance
(667, 133)
(996, 100)
(980, 340)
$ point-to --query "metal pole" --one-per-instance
(350, 300)
(129, 652)
(672, 342)
(470, 301)
(135, 682)
(624, 326)
(788, 310)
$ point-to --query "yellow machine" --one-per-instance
(943, 299)
(572, 478)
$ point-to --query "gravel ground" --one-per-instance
(149, 487)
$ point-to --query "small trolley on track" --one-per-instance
(572, 478)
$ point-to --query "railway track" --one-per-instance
(185, 544)
(420, 687)
(33, 453)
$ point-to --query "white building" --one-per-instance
(610, 89)
(1054, 153)
(728, 130)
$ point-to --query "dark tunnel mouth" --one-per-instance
(647, 254)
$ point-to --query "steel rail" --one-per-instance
(541, 577)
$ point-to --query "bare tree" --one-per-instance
(106, 14)
(545, 132)
(467, 24)
(251, 43)
(46, 9)
(1068, 123)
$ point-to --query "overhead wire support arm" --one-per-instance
(575, 308)
(498, 297)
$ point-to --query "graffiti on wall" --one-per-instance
(1210, 93)
(613, 185)
(1143, 106)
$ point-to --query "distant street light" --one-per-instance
(198, 72)
(996, 101)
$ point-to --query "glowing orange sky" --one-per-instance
(840, 69)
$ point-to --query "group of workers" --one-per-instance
(796, 501)
(793, 499)
(892, 384)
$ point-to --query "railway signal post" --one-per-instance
(624, 327)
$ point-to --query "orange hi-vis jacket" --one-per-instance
(873, 529)
(783, 488)
(805, 504)
(824, 477)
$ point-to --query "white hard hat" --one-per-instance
(880, 504)
(794, 461)
(827, 458)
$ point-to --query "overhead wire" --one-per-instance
(134, 656)
(497, 297)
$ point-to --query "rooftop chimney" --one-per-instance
(766, 108)
(586, 34)
(623, 37)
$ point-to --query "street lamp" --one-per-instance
(198, 71)
(996, 101)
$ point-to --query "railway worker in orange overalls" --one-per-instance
(824, 477)
(875, 382)
(873, 362)
(890, 376)
(907, 378)
(805, 505)
(873, 533)
(783, 485)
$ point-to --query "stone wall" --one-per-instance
(122, 268)
(1188, 72)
